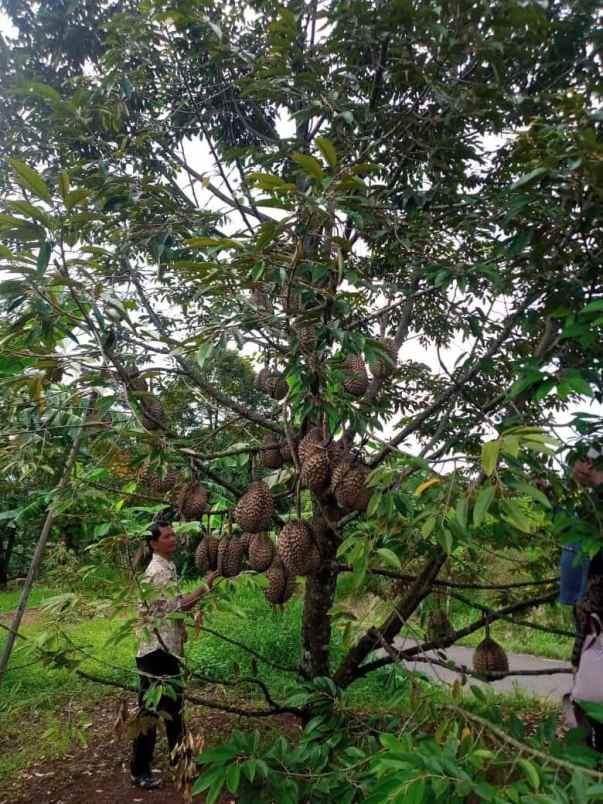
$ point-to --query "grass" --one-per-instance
(38, 699)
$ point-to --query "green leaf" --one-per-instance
(206, 242)
(64, 185)
(513, 514)
(389, 557)
(5, 253)
(444, 537)
(309, 165)
(75, 198)
(213, 794)
(428, 526)
(593, 307)
(415, 792)
(327, 149)
(374, 504)
(268, 181)
(43, 258)
(530, 771)
(528, 177)
(490, 452)
(532, 491)
(482, 503)
(30, 179)
(462, 511)
(233, 778)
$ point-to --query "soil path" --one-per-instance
(553, 687)
(97, 773)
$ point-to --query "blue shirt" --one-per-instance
(574, 574)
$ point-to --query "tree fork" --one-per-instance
(405, 606)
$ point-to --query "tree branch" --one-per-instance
(351, 665)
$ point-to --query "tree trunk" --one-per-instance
(403, 608)
(320, 593)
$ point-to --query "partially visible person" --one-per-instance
(588, 472)
(160, 651)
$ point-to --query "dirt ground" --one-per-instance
(98, 772)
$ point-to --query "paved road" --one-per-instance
(554, 686)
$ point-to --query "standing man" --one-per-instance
(160, 651)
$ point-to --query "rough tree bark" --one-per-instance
(319, 597)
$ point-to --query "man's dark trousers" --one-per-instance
(166, 668)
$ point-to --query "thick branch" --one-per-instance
(208, 704)
(350, 666)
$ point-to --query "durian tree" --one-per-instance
(339, 191)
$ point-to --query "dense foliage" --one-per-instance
(197, 190)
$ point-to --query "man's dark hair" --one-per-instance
(155, 531)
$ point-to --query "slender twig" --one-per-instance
(452, 584)
(464, 670)
(208, 704)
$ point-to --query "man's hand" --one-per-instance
(586, 475)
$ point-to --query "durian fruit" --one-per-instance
(260, 298)
(206, 554)
(254, 510)
(286, 450)
(294, 547)
(291, 302)
(355, 376)
(54, 371)
(276, 387)
(281, 584)
(261, 380)
(290, 586)
(154, 483)
(438, 625)
(490, 657)
(138, 383)
(230, 556)
(271, 383)
(234, 558)
(310, 443)
(315, 471)
(223, 546)
(270, 454)
(337, 452)
(212, 551)
(153, 414)
(349, 486)
(261, 552)
(192, 501)
(244, 538)
(202, 556)
(381, 368)
(305, 333)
